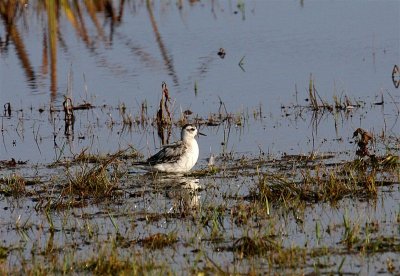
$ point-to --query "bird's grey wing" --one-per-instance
(168, 154)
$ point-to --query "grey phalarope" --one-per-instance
(178, 157)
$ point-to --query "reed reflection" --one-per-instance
(164, 53)
(10, 12)
(81, 15)
(13, 14)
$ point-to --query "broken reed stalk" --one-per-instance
(143, 113)
(69, 118)
(68, 108)
(164, 117)
(163, 114)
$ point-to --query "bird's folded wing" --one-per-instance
(168, 154)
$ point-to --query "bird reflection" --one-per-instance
(188, 197)
(184, 192)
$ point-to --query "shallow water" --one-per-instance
(282, 44)
(262, 86)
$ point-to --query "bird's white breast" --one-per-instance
(192, 154)
(185, 162)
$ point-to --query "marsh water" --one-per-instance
(253, 103)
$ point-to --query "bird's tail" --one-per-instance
(140, 163)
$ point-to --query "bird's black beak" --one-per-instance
(202, 134)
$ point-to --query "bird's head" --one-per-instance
(189, 131)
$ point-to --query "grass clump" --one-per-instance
(321, 183)
(94, 181)
(249, 214)
(110, 261)
(13, 185)
(318, 183)
(113, 264)
(106, 265)
(159, 240)
(246, 246)
(380, 244)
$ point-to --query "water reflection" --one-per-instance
(13, 11)
(166, 56)
(182, 191)
(79, 14)
(187, 198)
(10, 12)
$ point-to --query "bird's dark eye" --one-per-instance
(192, 129)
